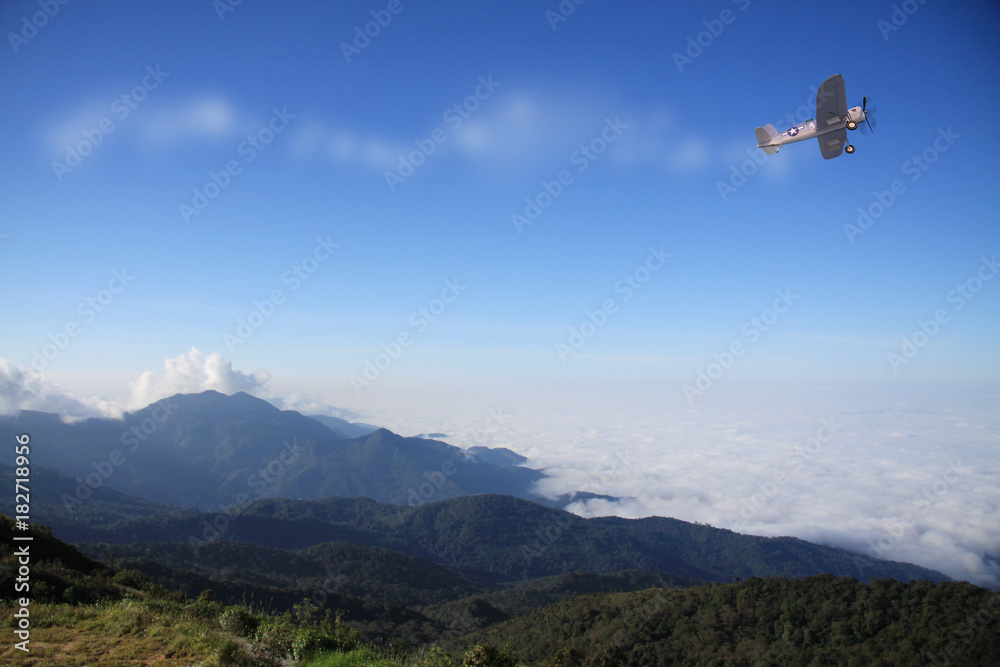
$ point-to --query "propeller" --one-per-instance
(869, 114)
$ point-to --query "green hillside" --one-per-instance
(816, 621)
(85, 613)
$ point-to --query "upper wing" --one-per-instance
(832, 144)
(831, 102)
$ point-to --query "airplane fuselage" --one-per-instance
(813, 128)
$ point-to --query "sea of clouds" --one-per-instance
(907, 472)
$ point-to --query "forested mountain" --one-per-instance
(814, 621)
(500, 539)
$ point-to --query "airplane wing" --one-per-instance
(831, 102)
(832, 144)
(831, 107)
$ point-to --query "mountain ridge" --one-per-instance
(494, 537)
(209, 450)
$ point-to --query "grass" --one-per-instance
(127, 632)
(156, 632)
(362, 657)
(164, 633)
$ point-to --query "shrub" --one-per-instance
(231, 654)
(132, 579)
(487, 655)
(308, 641)
(205, 608)
(435, 657)
(239, 621)
(274, 637)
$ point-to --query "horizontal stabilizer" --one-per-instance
(765, 135)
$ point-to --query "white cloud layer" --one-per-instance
(910, 474)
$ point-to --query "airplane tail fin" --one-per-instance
(764, 137)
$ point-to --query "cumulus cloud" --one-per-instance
(27, 389)
(192, 373)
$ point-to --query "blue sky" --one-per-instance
(657, 185)
(177, 92)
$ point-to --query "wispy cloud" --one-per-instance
(208, 117)
(514, 130)
(156, 125)
(27, 389)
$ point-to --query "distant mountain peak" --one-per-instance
(210, 449)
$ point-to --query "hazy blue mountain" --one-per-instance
(348, 429)
(500, 456)
(210, 450)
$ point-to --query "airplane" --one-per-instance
(830, 126)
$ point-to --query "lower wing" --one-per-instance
(832, 144)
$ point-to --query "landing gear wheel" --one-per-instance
(848, 148)
(851, 125)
